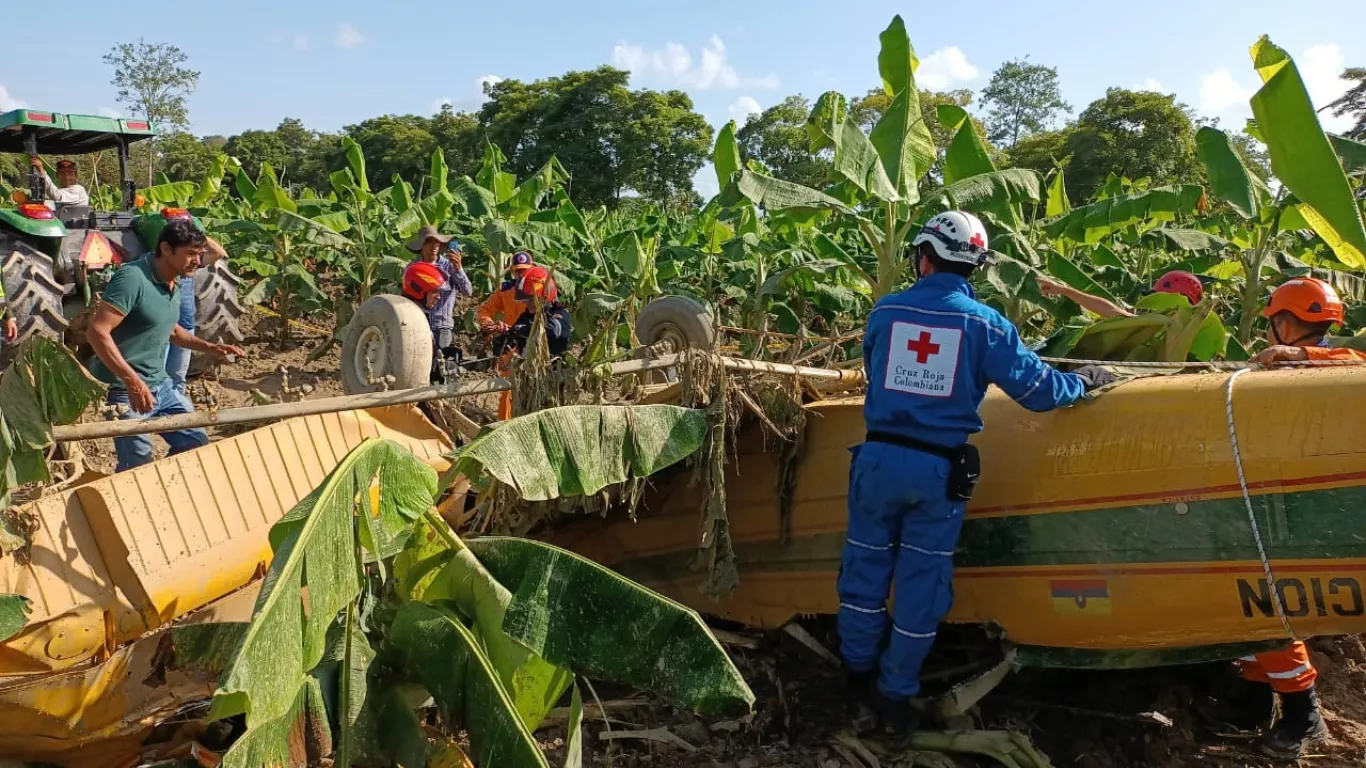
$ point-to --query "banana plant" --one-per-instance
(288, 246)
(493, 630)
(876, 176)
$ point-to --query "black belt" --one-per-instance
(911, 443)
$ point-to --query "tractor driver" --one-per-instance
(67, 190)
(929, 352)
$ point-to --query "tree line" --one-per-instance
(619, 143)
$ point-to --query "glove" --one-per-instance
(1094, 377)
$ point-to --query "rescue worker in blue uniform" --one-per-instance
(929, 352)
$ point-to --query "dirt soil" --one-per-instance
(1156, 718)
(1130, 719)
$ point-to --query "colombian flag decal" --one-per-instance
(1081, 598)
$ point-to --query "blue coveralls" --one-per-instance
(929, 352)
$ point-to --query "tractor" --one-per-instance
(55, 258)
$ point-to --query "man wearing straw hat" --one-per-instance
(444, 252)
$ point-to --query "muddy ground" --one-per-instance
(1163, 718)
(1134, 719)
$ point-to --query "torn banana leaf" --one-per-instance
(579, 615)
(579, 450)
(439, 651)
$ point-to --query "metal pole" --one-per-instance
(199, 419)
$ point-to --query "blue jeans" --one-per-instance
(903, 526)
(136, 450)
(178, 359)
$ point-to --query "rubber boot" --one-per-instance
(859, 690)
(1301, 725)
(897, 722)
(1251, 708)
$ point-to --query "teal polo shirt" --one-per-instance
(150, 310)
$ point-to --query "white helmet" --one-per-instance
(956, 236)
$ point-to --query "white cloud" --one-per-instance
(1321, 67)
(8, 102)
(444, 101)
(300, 42)
(742, 108)
(485, 81)
(945, 68)
(1220, 93)
(1226, 97)
(1150, 84)
(347, 36)
(674, 65)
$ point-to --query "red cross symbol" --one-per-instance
(922, 347)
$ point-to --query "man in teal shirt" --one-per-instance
(131, 331)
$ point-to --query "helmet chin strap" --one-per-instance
(1276, 336)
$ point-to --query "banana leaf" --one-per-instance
(315, 544)
(438, 650)
(1091, 223)
(579, 450)
(14, 610)
(1302, 157)
(1058, 204)
(726, 155)
(967, 154)
(902, 138)
(433, 570)
(586, 618)
(1229, 178)
(776, 194)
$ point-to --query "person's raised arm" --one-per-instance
(1101, 306)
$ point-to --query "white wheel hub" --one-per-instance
(372, 356)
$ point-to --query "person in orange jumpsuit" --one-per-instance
(1302, 311)
(499, 312)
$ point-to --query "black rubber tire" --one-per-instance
(33, 296)
(218, 311)
(393, 332)
(680, 319)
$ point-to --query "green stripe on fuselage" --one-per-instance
(1303, 525)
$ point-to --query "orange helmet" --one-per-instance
(1308, 298)
(420, 279)
(537, 282)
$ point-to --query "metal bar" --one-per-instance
(200, 419)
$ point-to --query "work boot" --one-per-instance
(860, 688)
(1301, 725)
(1252, 707)
(897, 722)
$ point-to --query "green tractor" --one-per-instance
(54, 258)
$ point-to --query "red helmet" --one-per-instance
(1181, 282)
(537, 282)
(420, 279)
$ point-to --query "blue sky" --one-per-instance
(335, 63)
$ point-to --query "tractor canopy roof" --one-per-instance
(60, 134)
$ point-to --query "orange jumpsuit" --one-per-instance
(1290, 670)
(504, 305)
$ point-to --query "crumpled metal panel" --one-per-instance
(123, 555)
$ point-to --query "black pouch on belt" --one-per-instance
(965, 463)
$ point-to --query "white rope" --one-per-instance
(1247, 502)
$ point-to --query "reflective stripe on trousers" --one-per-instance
(902, 528)
(1287, 671)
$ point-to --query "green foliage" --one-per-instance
(1022, 99)
(494, 630)
(1131, 134)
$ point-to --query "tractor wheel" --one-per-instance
(34, 297)
(682, 321)
(388, 336)
(218, 312)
